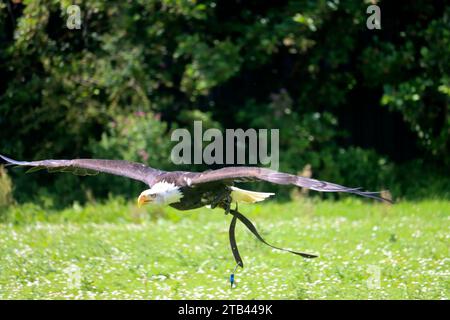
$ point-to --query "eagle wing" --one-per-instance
(133, 170)
(241, 174)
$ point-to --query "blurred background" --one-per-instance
(354, 106)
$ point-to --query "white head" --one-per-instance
(161, 193)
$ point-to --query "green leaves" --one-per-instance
(208, 66)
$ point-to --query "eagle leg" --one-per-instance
(227, 204)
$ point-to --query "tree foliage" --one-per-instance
(300, 66)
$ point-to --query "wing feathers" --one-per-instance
(263, 174)
(150, 176)
(123, 168)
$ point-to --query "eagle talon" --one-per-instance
(227, 204)
(216, 201)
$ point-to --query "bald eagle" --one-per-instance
(185, 190)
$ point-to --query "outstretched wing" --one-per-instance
(133, 170)
(239, 174)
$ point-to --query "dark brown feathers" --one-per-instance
(239, 174)
(136, 171)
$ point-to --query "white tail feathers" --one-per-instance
(241, 195)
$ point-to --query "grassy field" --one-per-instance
(114, 250)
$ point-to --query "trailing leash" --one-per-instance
(250, 226)
(234, 249)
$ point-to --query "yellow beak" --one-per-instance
(143, 199)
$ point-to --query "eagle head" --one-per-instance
(162, 193)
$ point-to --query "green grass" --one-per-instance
(115, 250)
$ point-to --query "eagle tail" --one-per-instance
(246, 196)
